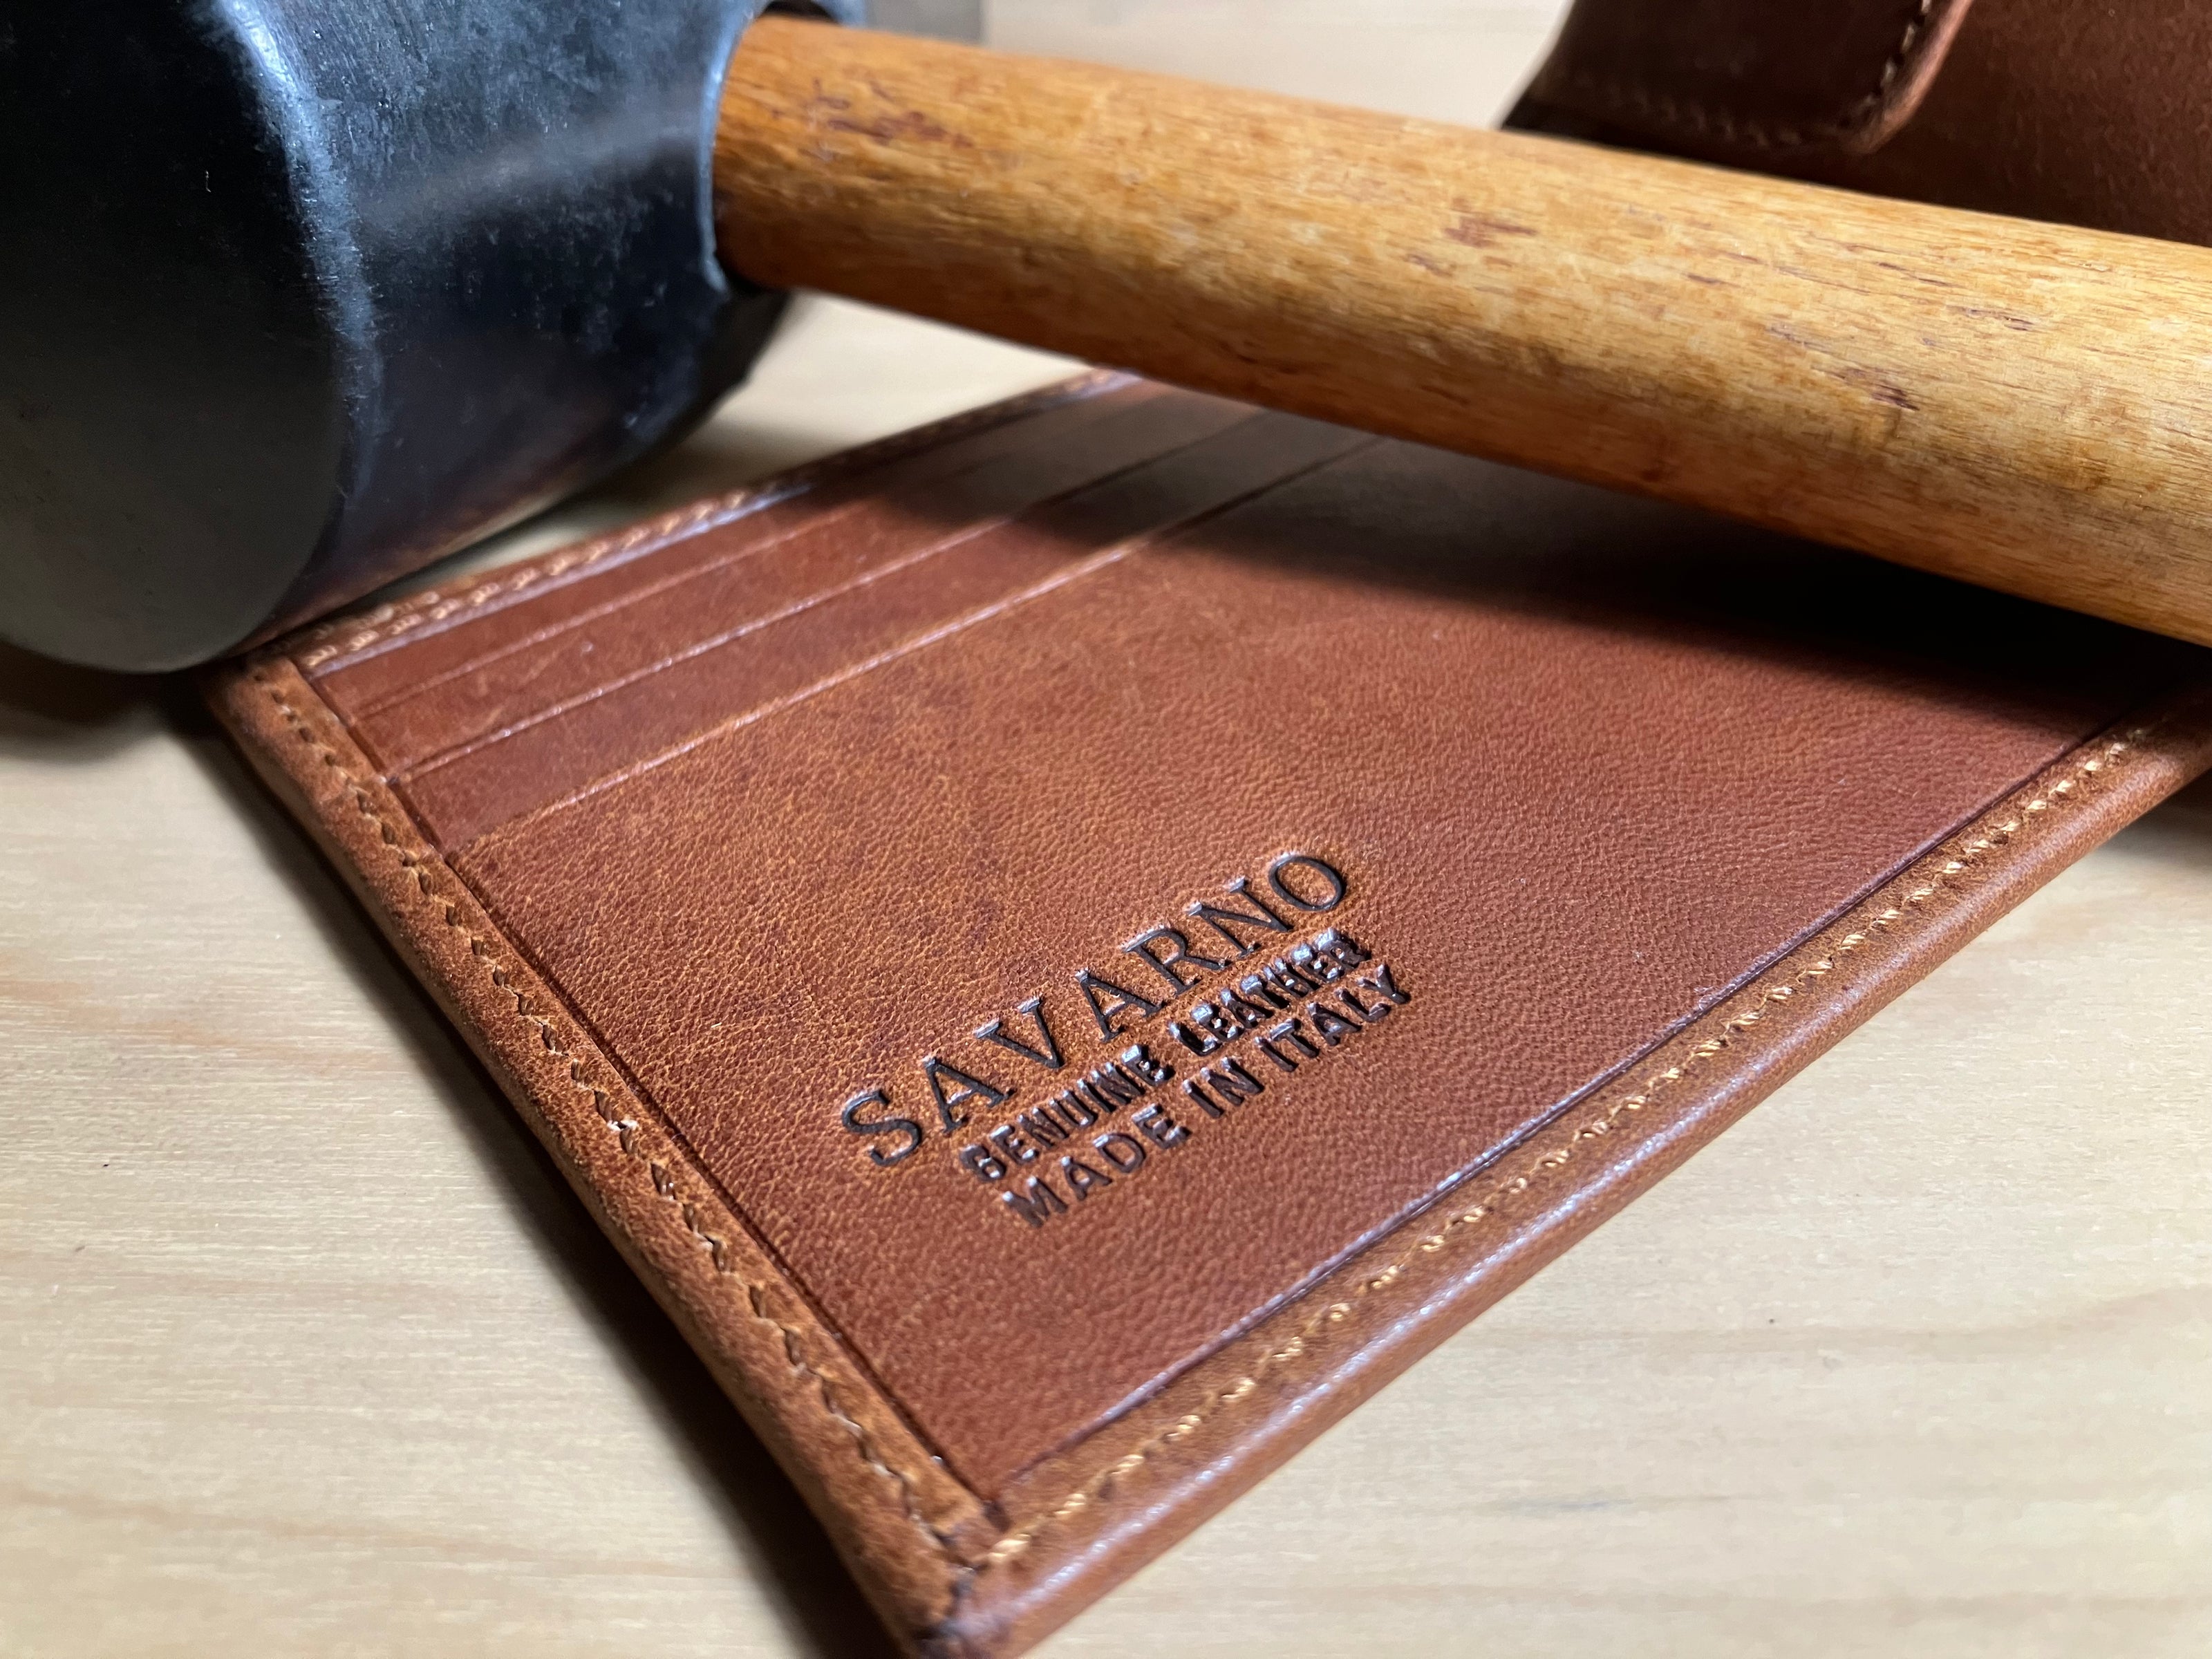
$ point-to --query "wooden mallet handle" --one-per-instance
(2023, 406)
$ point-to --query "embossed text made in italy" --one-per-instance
(1205, 1020)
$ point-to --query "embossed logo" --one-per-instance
(1263, 1003)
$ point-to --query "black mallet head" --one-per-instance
(297, 295)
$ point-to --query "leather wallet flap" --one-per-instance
(2043, 109)
(1744, 79)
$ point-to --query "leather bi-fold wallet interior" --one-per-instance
(1071, 946)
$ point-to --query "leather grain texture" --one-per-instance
(1072, 946)
(1749, 76)
(2046, 109)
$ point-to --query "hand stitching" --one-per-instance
(1682, 113)
(624, 1128)
(1775, 998)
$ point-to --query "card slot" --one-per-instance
(507, 774)
(648, 623)
(361, 684)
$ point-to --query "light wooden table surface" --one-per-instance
(305, 1350)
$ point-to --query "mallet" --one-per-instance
(296, 295)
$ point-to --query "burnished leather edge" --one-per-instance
(904, 1526)
(1570, 99)
(1091, 1516)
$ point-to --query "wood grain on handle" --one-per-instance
(2023, 406)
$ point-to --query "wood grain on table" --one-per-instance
(306, 1350)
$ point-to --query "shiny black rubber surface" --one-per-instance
(297, 295)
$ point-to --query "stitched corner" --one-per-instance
(622, 1128)
(1705, 120)
(1769, 1002)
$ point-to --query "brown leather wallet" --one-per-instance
(1070, 947)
